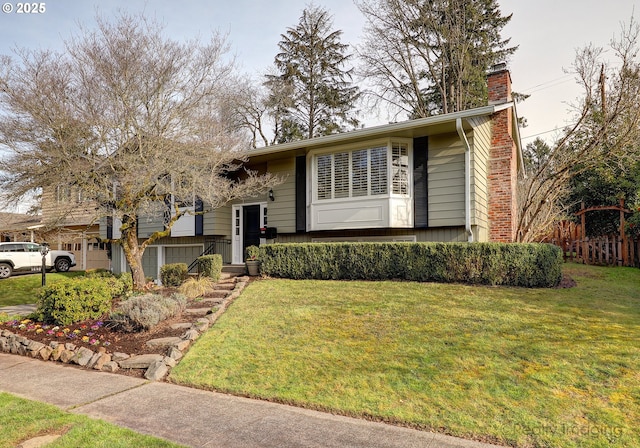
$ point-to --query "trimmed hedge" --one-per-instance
(173, 274)
(74, 300)
(210, 266)
(529, 265)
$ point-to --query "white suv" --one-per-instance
(27, 257)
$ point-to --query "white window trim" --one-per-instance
(388, 142)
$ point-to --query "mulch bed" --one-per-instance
(94, 334)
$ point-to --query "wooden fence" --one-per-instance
(608, 250)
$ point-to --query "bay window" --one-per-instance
(363, 172)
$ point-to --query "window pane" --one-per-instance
(341, 175)
(379, 170)
(400, 168)
(359, 168)
(324, 176)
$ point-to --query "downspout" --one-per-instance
(467, 180)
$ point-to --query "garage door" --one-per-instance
(150, 262)
(182, 254)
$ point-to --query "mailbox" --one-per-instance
(269, 233)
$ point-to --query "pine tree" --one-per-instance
(319, 97)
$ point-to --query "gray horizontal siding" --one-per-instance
(446, 182)
(281, 213)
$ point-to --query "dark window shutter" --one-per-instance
(109, 227)
(199, 206)
(420, 185)
(301, 194)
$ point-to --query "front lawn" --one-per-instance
(21, 420)
(23, 289)
(527, 367)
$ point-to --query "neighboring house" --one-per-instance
(449, 177)
(68, 223)
(18, 227)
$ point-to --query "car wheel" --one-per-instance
(5, 270)
(62, 265)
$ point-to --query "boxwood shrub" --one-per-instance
(74, 300)
(529, 265)
(173, 274)
(210, 266)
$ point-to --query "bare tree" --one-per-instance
(246, 106)
(605, 132)
(425, 58)
(131, 119)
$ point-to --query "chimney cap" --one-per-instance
(499, 67)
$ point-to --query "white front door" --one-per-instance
(247, 219)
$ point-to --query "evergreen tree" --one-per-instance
(312, 93)
(426, 58)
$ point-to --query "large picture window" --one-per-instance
(363, 172)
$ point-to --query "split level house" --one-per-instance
(449, 177)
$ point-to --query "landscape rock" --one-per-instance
(163, 342)
(34, 347)
(102, 360)
(83, 356)
(183, 344)
(117, 356)
(140, 361)
(66, 356)
(181, 326)
(197, 311)
(156, 371)
(110, 366)
(45, 353)
(169, 361)
(57, 352)
(93, 360)
(174, 353)
(191, 335)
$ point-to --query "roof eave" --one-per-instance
(377, 131)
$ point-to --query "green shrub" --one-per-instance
(74, 300)
(143, 312)
(119, 285)
(252, 253)
(173, 274)
(210, 266)
(127, 281)
(530, 265)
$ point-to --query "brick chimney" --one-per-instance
(503, 160)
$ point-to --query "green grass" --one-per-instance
(527, 367)
(22, 420)
(23, 289)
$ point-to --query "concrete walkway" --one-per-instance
(199, 418)
(19, 310)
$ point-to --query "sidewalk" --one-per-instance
(199, 418)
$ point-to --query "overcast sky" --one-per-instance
(547, 32)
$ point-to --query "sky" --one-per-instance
(547, 33)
